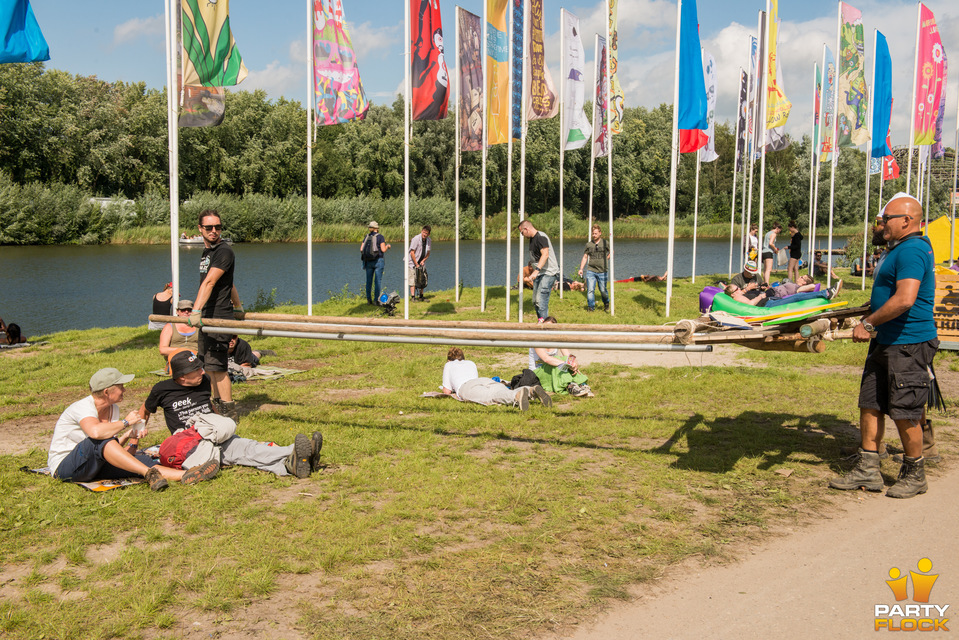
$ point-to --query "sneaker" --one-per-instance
(155, 479)
(228, 410)
(522, 398)
(589, 309)
(577, 390)
(316, 442)
(540, 320)
(589, 392)
(298, 462)
(206, 471)
(834, 291)
(606, 307)
(544, 397)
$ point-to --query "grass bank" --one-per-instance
(431, 518)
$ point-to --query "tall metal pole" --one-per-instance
(813, 147)
(835, 147)
(562, 129)
(486, 98)
(912, 105)
(407, 116)
(952, 194)
(611, 280)
(732, 209)
(173, 143)
(509, 149)
(872, 107)
(459, 159)
(673, 156)
(309, 157)
(764, 121)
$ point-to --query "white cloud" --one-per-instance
(375, 42)
(137, 28)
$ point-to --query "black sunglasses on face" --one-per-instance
(211, 227)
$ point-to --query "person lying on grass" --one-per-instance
(189, 391)
(778, 295)
(461, 377)
(557, 369)
(85, 445)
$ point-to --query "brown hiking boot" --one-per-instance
(316, 444)
(228, 409)
(865, 475)
(850, 451)
(206, 471)
(912, 479)
(155, 479)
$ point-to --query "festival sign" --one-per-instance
(336, 77)
(211, 58)
(430, 79)
(930, 77)
(853, 98)
(542, 92)
(497, 73)
(470, 67)
(576, 128)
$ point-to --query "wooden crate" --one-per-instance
(946, 310)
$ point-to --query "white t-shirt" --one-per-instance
(534, 360)
(458, 372)
(68, 434)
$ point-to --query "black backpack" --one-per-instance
(370, 251)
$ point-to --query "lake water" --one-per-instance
(49, 289)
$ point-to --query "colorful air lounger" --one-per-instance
(780, 314)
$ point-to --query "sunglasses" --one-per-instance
(187, 309)
(211, 227)
(898, 215)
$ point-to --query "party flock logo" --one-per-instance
(919, 616)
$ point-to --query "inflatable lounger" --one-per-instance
(792, 311)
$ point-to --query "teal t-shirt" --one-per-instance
(911, 259)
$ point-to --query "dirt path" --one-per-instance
(821, 581)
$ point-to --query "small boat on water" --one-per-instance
(197, 241)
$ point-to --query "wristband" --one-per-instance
(125, 423)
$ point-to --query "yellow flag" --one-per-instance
(777, 104)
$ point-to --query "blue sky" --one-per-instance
(116, 40)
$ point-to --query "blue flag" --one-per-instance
(692, 84)
(22, 40)
(882, 96)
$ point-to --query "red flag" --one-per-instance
(430, 78)
(692, 140)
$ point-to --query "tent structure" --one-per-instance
(938, 233)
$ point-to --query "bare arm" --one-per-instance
(582, 263)
(206, 288)
(166, 336)
(97, 430)
(901, 301)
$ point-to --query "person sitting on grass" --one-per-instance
(557, 369)
(189, 391)
(10, 333)
(460, 377)
(177, 337)
(86, 446)
(820, 267)
(242, 353)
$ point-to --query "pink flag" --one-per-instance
(930, 77)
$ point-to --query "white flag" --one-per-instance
(576, 128)
(708, 153)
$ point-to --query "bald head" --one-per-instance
(902, 216)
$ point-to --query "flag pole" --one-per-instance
(813, 145)
(309, 158)
(912, 105)
(764, 119)
(732, 209)
(459, 158)
(609, 161)
(835, 145)
(927, 190)
(522, 155)
(407, 116)
(173, 144)
(823, 113)
(563, 72)
(952, 194)
(673, 155)
(872, 106)
(699, 156)
(592, 149)
(755, 131)
(486, 99)
(509, 146)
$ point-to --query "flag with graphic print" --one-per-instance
(211, 58)
(429, 77)
(853, 93)
(497, 73)
(336, 76)
(618, 105)
(930, 77)
(470, 67)
(542, 103)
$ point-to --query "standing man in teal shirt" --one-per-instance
(898, 370)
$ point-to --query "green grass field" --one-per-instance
(432, 518)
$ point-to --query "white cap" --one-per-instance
(901, 194)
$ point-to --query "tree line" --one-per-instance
(110, 139)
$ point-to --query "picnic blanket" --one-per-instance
(21, 345)
(95, 485)
(256, 373)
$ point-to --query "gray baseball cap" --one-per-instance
(107, 378)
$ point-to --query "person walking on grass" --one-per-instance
(596, 262)
(217, 298)
(87, 443)
(420, 247)
(903, 341)
(545, 267)
(373, 253)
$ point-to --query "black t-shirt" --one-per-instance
(795, 245)
(220, 304)
(162, 307)
(536, 245)
(179, 403)
(243, 354)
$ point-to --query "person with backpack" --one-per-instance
(373, 251)
(596, 262)
(420, 247)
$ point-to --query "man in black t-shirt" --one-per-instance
(795, 251)
(217, 298)
(187, 393)
(242, 353)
